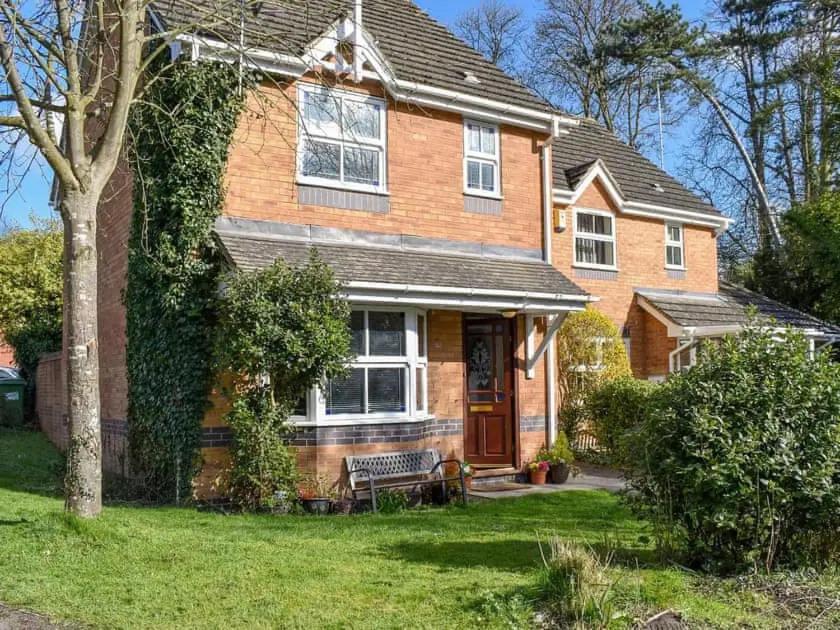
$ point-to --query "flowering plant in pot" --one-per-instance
(316, 494)
(537, 471)
(560, 458)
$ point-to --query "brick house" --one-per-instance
(7, 354)
(466, 218)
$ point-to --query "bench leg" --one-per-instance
(373, 496)
(463, 485)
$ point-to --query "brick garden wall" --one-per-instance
(7, 354)
(50, 401)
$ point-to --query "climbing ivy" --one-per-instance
(179, 140)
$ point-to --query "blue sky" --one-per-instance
(32, 198)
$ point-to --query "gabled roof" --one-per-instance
(639, 179)
(728, 308)
(416, 46)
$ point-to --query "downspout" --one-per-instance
(548, 230)
(358, 61)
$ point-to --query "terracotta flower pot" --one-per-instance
(537, 477)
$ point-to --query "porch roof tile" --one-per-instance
(397, 266)
(727, 307)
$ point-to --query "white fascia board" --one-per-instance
(720, 223)
(460, 303)
(526, 296)
(401, 90)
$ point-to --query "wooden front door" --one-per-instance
(488, 431)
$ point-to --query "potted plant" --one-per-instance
(316, 495)
(560, 458)
(537, 471)
(468, 474)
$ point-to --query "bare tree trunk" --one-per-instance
(83, 484)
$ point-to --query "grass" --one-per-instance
(167, 567)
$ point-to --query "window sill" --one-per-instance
(345, 421)
(326, 183)
(594, 267)
(675, 268)
(476, 193)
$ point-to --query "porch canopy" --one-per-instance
(406, 270)
(691, 317)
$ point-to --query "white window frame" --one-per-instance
(411, 362)
(338, 137)
(680, 244)
(487, 158)
(595, 237)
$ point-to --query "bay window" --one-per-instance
(594, 239)
(674, 246)
(481, 159)
(341, 139)
(386, 380)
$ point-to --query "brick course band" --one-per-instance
(531, 424)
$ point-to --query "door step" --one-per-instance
(495, 475)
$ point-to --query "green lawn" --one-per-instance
(166, 567)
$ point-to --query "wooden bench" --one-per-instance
(402, 469)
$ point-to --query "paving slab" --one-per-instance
(590, 478)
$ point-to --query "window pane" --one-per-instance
(474, 137)
(346, 395)
(320, 159)
(361, 120)
(361, 166)
(488, 140)
(387, 333)
(674, 233)
(421, 389)
(421, 335)
(300, 407)
(674, 255)
(473, 174)
(320, 112)
(594, 252)
(357, 333)
(488, 177)
(594, 224)
(479, 363)
(386, 390)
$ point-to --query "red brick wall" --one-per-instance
(640, 247)
(50, 401)
(7, 354)
(425, 175)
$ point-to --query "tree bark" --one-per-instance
(83, 483)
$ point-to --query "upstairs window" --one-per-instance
(674, 246)
(342, 139)
(595, 239)
(481, 159)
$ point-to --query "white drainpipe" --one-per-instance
(550, 352)
(358, 60)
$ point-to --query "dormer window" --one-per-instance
(342, 140)
(674, 246)
(481, 159)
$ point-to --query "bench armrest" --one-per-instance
(371, 485)
(447, 461)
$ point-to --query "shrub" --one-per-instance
(573, 586)
(390, 501)
(616, 408)
(741, 457)
(590, 351)
(263, 468)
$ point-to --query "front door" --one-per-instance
(488, 431)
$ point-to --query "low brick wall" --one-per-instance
(50, 399)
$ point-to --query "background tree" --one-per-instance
(30, 292)
(570, 67)
(496, 30)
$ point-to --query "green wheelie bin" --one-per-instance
(12, 387)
